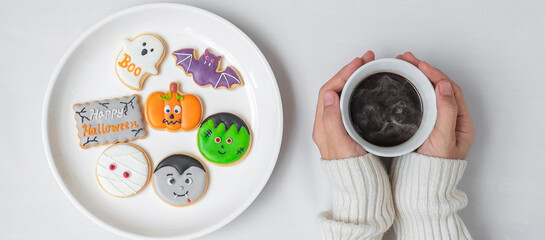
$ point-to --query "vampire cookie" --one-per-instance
(180, 180)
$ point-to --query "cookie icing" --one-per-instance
(123, 170)
(173, 110)
(109, 121)
(139, 58)
(180, 180)
(224, 138)
(206, 70)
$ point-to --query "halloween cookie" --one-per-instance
(109, 121)
(173, 110)
(206, 69)
(224, 139)
(180, 180)
(139, 58)
(123, 170)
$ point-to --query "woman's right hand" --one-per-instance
(329, 133)
(453, 133)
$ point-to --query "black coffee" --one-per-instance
(385, 109)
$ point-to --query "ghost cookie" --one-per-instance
(180, 180)
(224, 139)
(206, 69)
(173, 111)
(123, 170)
(139, 58)
(109, 121)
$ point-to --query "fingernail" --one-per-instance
(329, 98)
(445, 89)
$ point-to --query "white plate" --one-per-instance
(86, 73)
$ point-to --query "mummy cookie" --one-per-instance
(206, 70)
(180, 180)
(139, 58)
(224, 139)
(109, 121)
(123, 170)
(173, 110)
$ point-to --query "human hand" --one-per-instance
(329, 133)
(453, 133)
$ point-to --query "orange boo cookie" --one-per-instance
(173, 110)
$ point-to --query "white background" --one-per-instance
(495, 50)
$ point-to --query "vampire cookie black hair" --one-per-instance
(228, 119)
(180, 162)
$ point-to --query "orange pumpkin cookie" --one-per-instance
(173, 110)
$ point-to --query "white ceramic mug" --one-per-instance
(425, 91)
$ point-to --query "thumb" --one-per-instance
(447, 110)
(332, 120)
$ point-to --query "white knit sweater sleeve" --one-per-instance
(362, 200)
(426, 198)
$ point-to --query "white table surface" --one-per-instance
(495, 50)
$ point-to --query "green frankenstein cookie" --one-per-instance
(224, 138)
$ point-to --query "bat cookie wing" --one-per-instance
(184, 58)
(228, 79)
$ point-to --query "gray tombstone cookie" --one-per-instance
(109, 121)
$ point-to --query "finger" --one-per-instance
(465, 131)
(409, 57)
(342, 76)
(368, 57)
(337, 83)
(434, 75)
(460, 100)
(332, 121)
(447, 111)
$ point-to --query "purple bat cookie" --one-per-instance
(205, 69)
